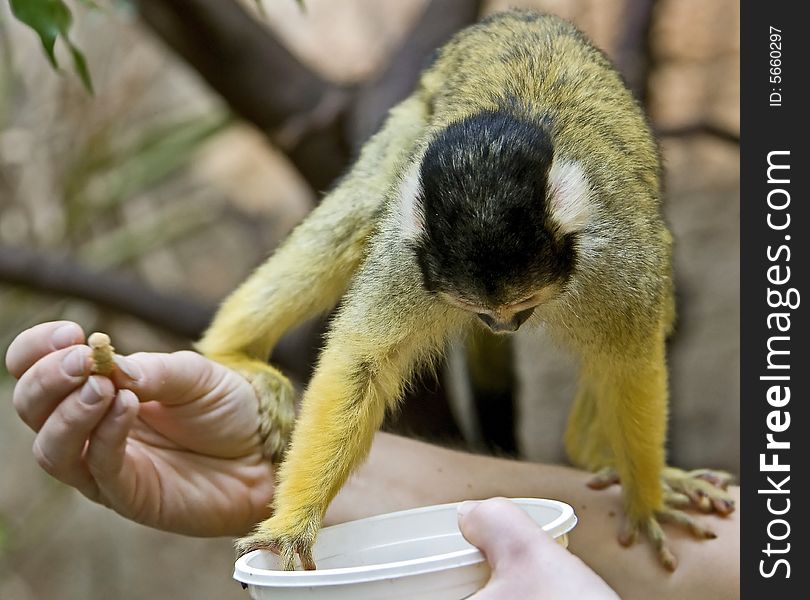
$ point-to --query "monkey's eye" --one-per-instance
(488, 320)
(521, 317)
(459, 303)
(524, 304)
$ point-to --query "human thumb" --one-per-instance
(525, 561)
(503, 532)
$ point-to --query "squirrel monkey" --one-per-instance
(518, 186)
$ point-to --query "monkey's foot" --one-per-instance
(651, 528)
(702, 489)
(287, 544)
(276, 412)
(276, 397)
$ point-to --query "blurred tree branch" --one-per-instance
(634, 52)
(708, 129)
(318, 124)
(258, 77)
(171, 313)
(440, 20)
(64, 277)
(635, 60)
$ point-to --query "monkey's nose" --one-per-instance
(506, 326)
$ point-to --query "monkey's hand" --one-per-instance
(276, 397)
(287, 534)
(702, 489)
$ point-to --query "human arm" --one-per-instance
(187, 459)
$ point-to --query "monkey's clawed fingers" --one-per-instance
(702, 489)
(651, 528)
(286, 546)
(705, 489)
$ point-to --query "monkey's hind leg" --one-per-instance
(490, 366)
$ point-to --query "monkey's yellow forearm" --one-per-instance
(341, 412)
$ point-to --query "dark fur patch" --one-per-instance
(484, 185)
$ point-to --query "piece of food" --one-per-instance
(103, 363)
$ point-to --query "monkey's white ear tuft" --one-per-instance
(569, 199)
(410, 212)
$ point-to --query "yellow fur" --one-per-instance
(615, 311)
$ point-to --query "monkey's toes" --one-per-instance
(686, 521)
(276, 412)
(704, 488)
(603, 479)
(652, 531)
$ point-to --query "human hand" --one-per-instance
(525, 561)
(169, 440)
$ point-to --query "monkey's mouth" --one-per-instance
(506, 325)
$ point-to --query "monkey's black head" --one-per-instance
(487, 239)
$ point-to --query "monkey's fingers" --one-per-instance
(656, 535)
(703, 487)
(286, 542)
(286, 550)
(651, 528)
(604, 479)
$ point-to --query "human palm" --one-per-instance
(170, 440)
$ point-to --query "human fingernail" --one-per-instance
(65, 335)
(121, 405)
(465, 507)
(128, 367)
(75, 362)
(91, 391)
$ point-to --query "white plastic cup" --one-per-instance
(418, 553)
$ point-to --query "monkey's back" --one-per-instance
(542, 68)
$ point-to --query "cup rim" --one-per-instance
(247, 574)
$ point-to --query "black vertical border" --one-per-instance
(765, 129)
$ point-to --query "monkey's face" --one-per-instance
(477, 215)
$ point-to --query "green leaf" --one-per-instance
(51, 19)
(80, 65)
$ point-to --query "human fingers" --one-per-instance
(525, 561)
(60, 443)
(34, 343)
(45, 384)
(171, 379)
(106, 450)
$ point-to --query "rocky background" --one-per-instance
(136, 209)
